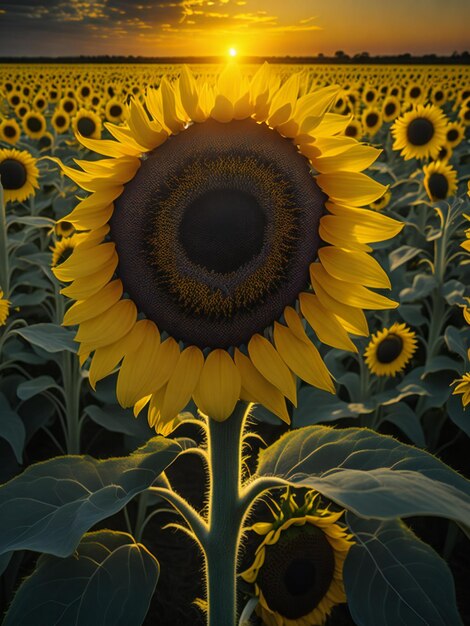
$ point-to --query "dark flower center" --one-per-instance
(438, 185)
(389, 349)
(216, 231)
(86, 126)
(390, 108)
(13, 174)
(40, 103)
(115, 110)
(85, 91)
(297, 571)
(370, 95)
(439, 95)
(44, 142)
(34, 124)
(420, 131)
(68, 106)
(351, 131)
(60, 121)
(415, 92)
(9, 131)
(452, 134)
(372, 119)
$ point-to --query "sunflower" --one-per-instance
(114, 110)
(382, 202)
(21, 110)
(390, 108)
(208, 218)
(463, 387)
(34, 124)
(4, 309)
(414, 93)
(40, 102)
(68, 104)
(438, 96)
(455, 133)
(45, 142)
(60, 121)
(87, 124)
(371, 120)
(62, 249)
(9, 131)
(440, 180)
(444, 153)
(420, 133)
(390, 350)
(353, 129)
(18, 174)
(298, 568)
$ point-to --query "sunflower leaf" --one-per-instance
(51, 505)
(109, 580)
(391, 577)
(49, 337)
(370, 474)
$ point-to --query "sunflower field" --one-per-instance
(234, 345)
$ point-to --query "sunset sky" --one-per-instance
(251, 27)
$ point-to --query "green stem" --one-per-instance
(225, 516)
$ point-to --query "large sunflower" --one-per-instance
(390, 349)
(420, 133)
(298, 568)
(208, 218)
(18, 174)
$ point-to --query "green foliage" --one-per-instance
(108, 581)
(51, 505)
(392, 577)
(371, 475)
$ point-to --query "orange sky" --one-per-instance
(253, 27)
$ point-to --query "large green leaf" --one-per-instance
(49, 337)
(109, 581)
(51, 505)
(370, 474)
(12, 428)
(391, 578)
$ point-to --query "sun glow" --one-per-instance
(232, 52)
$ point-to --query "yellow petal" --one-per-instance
(141, 404)
(124, 135)
(332, 230)
(267, 361)
(100, 302)
(283, 103)
(106, 359)
(353, 266)
(351, 319)
(156, 401)
(350, 187)
(83, 262)
(84, 287)
(110, 326)
(352, 294)
(189, 95)
(294, 322)
(170, 108)
(222, 110)
(146, 132)
(258, 389)
(331, 124)
(327, 328)
(182, 382)
(302, 358)
(219, 386)
(107, 147)
(354, 159)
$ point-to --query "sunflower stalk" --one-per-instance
(4, 264)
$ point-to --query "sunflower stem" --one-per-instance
(225, 516)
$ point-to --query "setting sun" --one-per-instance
(232, 52)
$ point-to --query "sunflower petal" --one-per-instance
(350, 187)
(352, 294)
(258, 389)
(219, 386)
(82, 263)
(84, 287)
(302, 358)
(353, 266)
(354, 159)
(110, 326)
(100, 302)
(182, 382)
(268, 362)
(327, 328)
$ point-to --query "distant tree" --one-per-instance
(340, 54)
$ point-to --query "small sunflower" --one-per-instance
(298, 567)
(444, 153)
(390, 350)
(390, 108)
(208, 218)
(114, 110)
(382, 202)
(353, 129)
(62, 249)
(440, 180)
(414, 93)
(455, 133)
(69, 105)
(34, 124)
(64, 228)
(18, 174)
(60, 121)
(87, 124)
(40, 102)
(420, 133)
(4, 309)
(371, 120)
(10, 131)
(463, 387)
